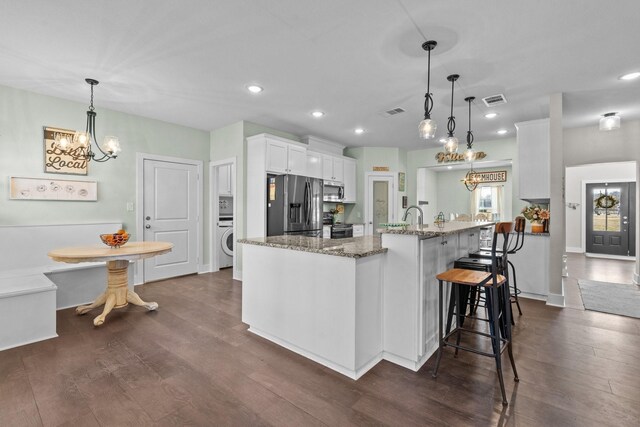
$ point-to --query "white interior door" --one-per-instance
(380, 201)
(170, 212)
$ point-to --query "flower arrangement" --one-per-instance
(535, 213)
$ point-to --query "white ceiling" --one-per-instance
(188, 62)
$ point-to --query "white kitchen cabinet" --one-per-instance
(332, 168)
(349, 181)
(314, 164)
(225, 180)
(267, 154)
(358, 230)
(532, 266)
(533, 160)
(284, 158)
(326, 231)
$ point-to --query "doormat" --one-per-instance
(613, 298)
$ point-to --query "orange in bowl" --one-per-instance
(115, 240)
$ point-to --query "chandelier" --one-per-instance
(427, 127)
(451, 142)
(80, 147)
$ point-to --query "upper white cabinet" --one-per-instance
(314, 164)
(283, 157)
(332, 168)
(533, 160)
(268, 154)
(349, 180)
(225, 180)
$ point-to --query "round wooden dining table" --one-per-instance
(117, 294)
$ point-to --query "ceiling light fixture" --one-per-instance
(254, 89)
(610, 121)
(427, 127)
(317, 114)
(359, 131)
(80, 147)
(471, 179)
(469, 154)
(630, 76)
(491, 115)
(502, 131)
(451, 145)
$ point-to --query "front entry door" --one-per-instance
(611, 218)
(170, 214)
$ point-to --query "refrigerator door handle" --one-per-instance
(309, 203)
(306, 203)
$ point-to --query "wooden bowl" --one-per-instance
(114, 240)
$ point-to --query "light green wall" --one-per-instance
(22, 117)
(366, 158)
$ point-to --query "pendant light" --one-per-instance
(427, 127)
(81, 146)
(610, 121)
(469, 154)
(451, 142)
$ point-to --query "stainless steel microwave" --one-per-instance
(333, 191)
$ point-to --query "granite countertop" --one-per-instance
(432, 230)
(354, 247)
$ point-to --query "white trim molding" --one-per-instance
(214, 211)
(556, 300)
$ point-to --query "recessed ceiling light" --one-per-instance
(442, 140)
(491, 115)
(254, 88)
(449, 167)
(630, 76)
(317, 114)
(359, 131)
(502, 131)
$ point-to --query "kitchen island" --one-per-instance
(349, 303)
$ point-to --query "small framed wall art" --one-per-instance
(72, 161)
(52, 189)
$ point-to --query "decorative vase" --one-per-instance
(537, 227)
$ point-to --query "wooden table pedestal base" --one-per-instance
(117, 294)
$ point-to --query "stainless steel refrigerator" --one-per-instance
(294, 205)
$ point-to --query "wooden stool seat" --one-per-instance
(469, 277)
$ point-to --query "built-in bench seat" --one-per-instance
(33, 287)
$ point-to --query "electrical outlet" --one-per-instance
(129, 206)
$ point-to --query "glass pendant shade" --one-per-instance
(111, 145)
(62, 141)
(451, 145)
(427, 129)
(610, 121)
(469, 155)
(82, 139)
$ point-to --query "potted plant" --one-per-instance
(537, 216)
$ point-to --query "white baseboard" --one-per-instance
(574, 250)
(204, 268)
(555, 300)
(605, 256)
(533, 296)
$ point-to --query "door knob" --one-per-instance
(148, 218)
(147, 226)
(625, 222)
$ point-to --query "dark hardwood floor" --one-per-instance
(193, 363)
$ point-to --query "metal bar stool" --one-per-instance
(514, 247)
(495, 287)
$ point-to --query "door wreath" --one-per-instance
(605, 201)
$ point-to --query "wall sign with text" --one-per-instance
(489, 176)
(455, 157)
(55, 161)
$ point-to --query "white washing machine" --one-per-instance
(226, 242)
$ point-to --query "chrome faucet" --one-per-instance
(406, 213)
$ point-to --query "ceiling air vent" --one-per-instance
(493, 100)
(393, 112)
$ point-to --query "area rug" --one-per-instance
(614, 298)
